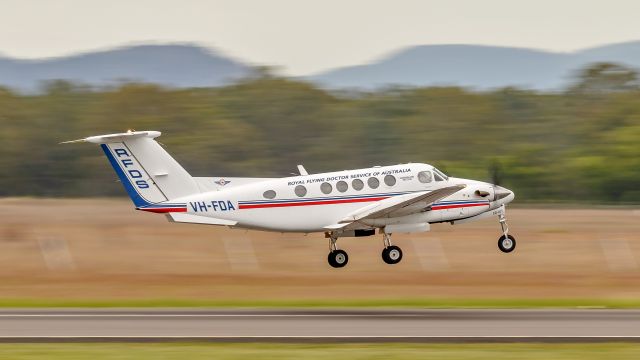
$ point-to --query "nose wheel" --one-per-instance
(506, 242)
(391, 254)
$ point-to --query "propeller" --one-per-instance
(495, 170)
(495, 174)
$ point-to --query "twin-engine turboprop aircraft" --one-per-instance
(404, 198)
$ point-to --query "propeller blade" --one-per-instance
(495, 172)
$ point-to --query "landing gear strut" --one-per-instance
(506, 242)
(337, 258)
(391, 254)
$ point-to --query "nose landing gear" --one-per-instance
(506, 242)
(391, 254)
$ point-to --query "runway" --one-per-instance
(320, 325)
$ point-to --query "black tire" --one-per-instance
(338, 258)
(507, 245)
(392, 255)
(330, 260)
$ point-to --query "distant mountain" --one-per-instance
(480, 67)
(172, 65)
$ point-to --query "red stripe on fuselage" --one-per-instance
(305, 203)
(443, 207)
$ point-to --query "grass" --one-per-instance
(304, 303)
(196, 351)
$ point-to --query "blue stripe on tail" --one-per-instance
(138, 201)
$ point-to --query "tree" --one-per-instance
(602, 78)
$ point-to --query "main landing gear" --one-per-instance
(506, 242)
(337, 258)
(391, 254)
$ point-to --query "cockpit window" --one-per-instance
(439, 175)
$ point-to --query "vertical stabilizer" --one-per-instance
(149, 174)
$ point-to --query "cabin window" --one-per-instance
(390, 180)
(357, 184)
(326, 188)
(373, 182)
(342, 186)
(269, 194)
(300, 190)
(425, 176)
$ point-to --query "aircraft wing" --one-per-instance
(401, 205)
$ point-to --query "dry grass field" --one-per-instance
(104, 249)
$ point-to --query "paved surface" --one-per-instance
(320, 325)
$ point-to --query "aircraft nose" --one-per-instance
(503, 193)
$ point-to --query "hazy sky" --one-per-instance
(308, 36)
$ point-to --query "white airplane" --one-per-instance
(403, 198)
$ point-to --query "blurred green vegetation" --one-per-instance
(579, 145)
(200, 350)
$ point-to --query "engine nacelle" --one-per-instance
(419, 218)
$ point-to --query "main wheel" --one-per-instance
(338, 258)
(392, 254)
(507, 244)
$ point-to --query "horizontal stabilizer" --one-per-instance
(120, 137)
(195, 219)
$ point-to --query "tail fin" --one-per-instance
(149, 174)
